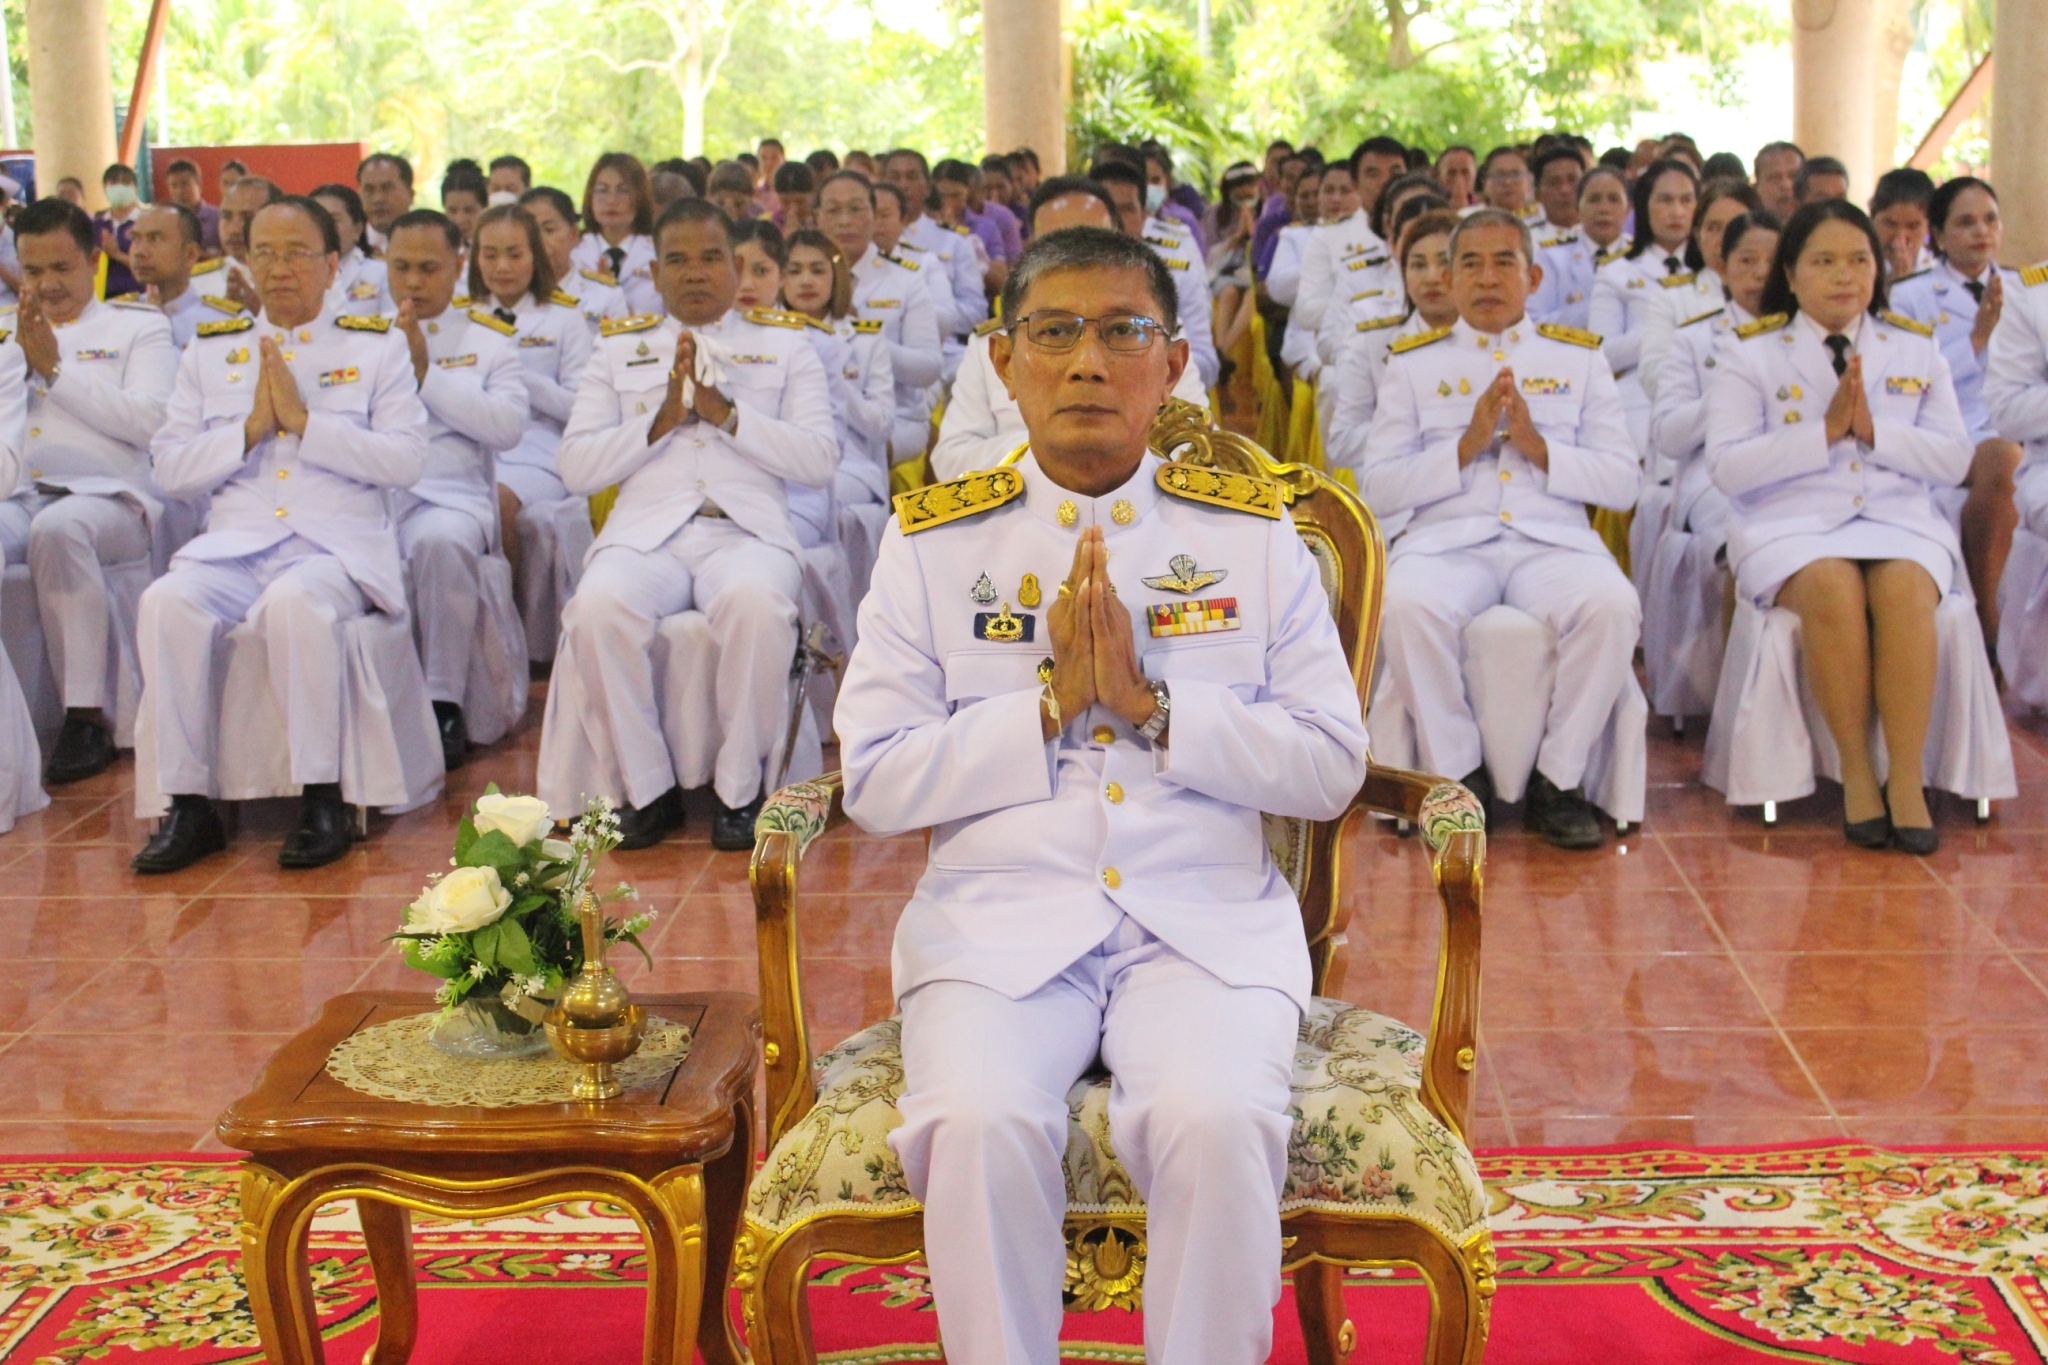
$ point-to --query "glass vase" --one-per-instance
(490, 1030)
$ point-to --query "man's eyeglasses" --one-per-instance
(264, 257)
(1057, 331)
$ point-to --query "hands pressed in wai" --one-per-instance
(1094, 653)
(279, 406)
(1497, 401)
(707, 404)
(1849, 410)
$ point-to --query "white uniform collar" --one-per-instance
(1465, 334)
(85, 314)
(1072, 511)
(1820, 333)
(1947, 267)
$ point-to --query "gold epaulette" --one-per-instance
(566, 300)
(1906, 324)
(1710, 313)
(363, 322)
(130, 297)
(1571, 336)
(938, 503)
(1379, 324)
(1161, 241)
(1562, 239)
(1403, 345)
(1367, 294)
(1613, 253)
(220, 305)
(1221, 488)
(600, 277)
(135, 301)
(1174, 263)
(492, 321)
(956, 227)
(1910, 275)
(782, 317)
(208, 267)
(639, 322)
(897, 260)
(5, 333)
(459, 301)
(982, 329)
(2034, 274)
(1762, 326)
(1676, 281)
(867, 324)
(226, 326)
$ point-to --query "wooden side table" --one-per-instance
(674, 1154)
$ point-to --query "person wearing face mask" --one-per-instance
(510, 175)
(359, 285)
(596, 293)
(1424, 252)
(1663, 256)
(1164, 201)
(618, 217)
(115, 226)
(1571, 259)
(893, 293)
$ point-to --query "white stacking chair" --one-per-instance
(557, 536)
(21, 635)
(21, 632)
(1682, 644)
(21, 763)
(2023, 621)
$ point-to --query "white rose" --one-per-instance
(560, 850)
(522, 819)
(467, 898)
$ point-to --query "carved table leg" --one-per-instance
(273, 1234)
(675, 1266)
(387, 1229)
(725, 1193)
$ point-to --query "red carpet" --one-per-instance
(1822, 1254)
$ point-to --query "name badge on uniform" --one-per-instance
(1005, 627)
(362, 289)
(99, 353)
(644, 360)
(1555, 388)
(456, 362)
(347, 374)
(754, 359)
(1203, 617)
(1901, 387)
(530, 342)
(884, 303)
(1635, 283)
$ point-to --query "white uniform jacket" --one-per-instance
(1354, 381)
(1938, 297)
(784, 431)
(596, 293)
(1622, 289)
(1038, 849)
(634, 272)
(361, 285)
(868, 389)
(1375, 293)
(1671, 307)
(191, 308)
(1767, 444)
(1283, 272)
(89, 429)
(892, 290)
(553, 341)
(1678, 419)
(13, 409)
(943, 255)
(1332, 251)
(366, 433)
(1425, 404)
(982, 423)
(2016, 384)
(1191, 288)
(476, 399)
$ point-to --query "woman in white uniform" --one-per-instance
(1662, 256)
(1423, 248)
(594, 291)
(511, 276)
(618, 220)
(1721, 203)
(1831, 421)
(1571, 259)
(359, 287)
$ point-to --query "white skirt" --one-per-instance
(1765, 570)
(531, 484)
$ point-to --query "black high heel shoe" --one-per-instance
(1918, 840)
(1876, 832)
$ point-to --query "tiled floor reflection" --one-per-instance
(1705, 981)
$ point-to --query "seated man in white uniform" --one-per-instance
(99, 375)
(1099, 891)
(892, 291)
(982, 424)
(698, 417)
(299, 424)
(1496, 434)
(474, 388)
(163, 254)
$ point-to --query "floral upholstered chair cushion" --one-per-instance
(1363, 1141)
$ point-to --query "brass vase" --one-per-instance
(595, 1022)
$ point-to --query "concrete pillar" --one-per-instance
(1023, 86)
(2019, 123)
(71, 93)
(1834, 58)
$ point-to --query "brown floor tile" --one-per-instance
(1595, 921)
(1541, 868)
(32, 991)
(319, 927)
(187, 1077)
(62, 1136)
(1616, 991)
(1992, 856)
(1748, 858)
(1666, 1072)
(102, 869)
(1821, 920)
(62, 814)
(2016, 914)
(1490, 1133)
(1687, 1131)
(204, 996)
(1947, 1130)
(99, 927)
(1877, 990)
(1919, 1072)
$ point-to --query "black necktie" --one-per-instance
(1840, 346)
(506, 316)
(615, 256)
(1976, 288)
(1671, 265)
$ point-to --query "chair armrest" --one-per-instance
(789, 821)
(1454, 827)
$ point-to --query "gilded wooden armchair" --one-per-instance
(1379, 1172)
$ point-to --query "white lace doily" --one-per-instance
(395, 1061)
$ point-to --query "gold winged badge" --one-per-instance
(1185, 576)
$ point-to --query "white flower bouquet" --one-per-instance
(501, 927)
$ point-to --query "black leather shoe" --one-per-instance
(326, 829)
(190, 832)
(1918, 840)
(454, 734)
(732, 827)
(1564, 818)
(1876, 832)
(84, 749)
(1480, 783)
(645, 826)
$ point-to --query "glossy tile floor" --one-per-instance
(1704, 981)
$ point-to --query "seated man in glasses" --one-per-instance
(1033, 684)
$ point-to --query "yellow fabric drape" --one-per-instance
(601, 504)
(1304, 432)
(1613, 528)
(1267, 390)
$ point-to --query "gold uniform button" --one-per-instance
(1111, 878)
(1500, 355)
(284, 473)
(35, 431)
(1859, 502)
(1855, 466)
(1507, 516)
(1505, 475)
(280, 511)
(1115, 793)
(1104, 735)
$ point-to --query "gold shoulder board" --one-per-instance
(1221, 488)
(1674, 281)
(1910, 275)
(356, 323)
(1906, 324)
(775, 317)
(226, 326)
(564, 299)
(600, 276)
(1161, 241)
(1763, 325)
(220, 305)
(1403, 345)
(130, 297)
(1378, 324)
(208, 267)
(963, 231)
(492, 321)
(1571, 336)
(459, 301)
(867, 324)
(639, 322)
(938, 503)
(135, 301)
(5, 333)
(2034, 274)
(984, 327)
(1710, 313)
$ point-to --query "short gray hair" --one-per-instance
(1091, 248)
(1486, 218)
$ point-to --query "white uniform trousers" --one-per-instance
(69, 542)
(15, 516)
(1583, 597)
(554, 536)
(747, 588)
(1198, 1114)
(441, 548)
(298, 598)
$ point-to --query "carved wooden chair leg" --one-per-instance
(387, 1231)
(778, 1310)
(725, 1193)
(1326, 1331)
(1455, 1334)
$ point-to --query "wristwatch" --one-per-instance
(1162, 711)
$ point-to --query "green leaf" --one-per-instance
(497, 851)
(446, 970)
(465, 836)
(484, 943)
(515, 950)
